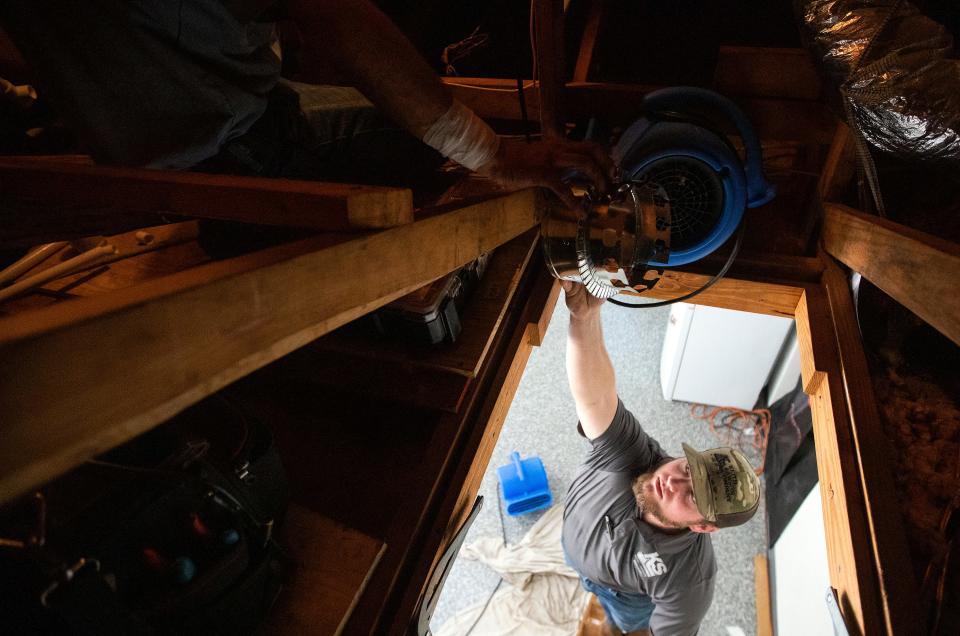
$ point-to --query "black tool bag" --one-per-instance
(170, 534)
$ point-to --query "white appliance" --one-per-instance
(801, 573)
(719, 357)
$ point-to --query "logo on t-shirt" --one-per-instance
(649, 564)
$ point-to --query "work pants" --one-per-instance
(629, 612)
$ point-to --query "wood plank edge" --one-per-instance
(898, 587)
(761, 583)
(73, 445)
(449, 506)
(846, 527)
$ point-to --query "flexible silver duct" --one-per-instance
(892, 67)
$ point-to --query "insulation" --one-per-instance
(893, 68)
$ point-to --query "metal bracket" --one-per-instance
(67, 576)
(833, 606)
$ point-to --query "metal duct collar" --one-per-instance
(609, 245)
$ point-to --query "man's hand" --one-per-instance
(547, 163)
(581, 303)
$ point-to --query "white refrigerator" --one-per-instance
(721, 357)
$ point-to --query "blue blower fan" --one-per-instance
(524, 484)
(682, 193)
(706, 183)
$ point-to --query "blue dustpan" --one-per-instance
(524, 484)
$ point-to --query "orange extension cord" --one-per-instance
(734, 426)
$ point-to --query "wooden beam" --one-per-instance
(548, 35)
(917, 270)
(449, 454)
(729, 293)
(98, 371)
(846, 529)
(763, 267)
(753, 71)
(773, 118)
(495, 98)
(898, 589)
(811, 348)
(840, 166)
(73, 189)
(538, 329)
(741, 71)
(480, 320)
(491, 410)
(333, 565)
(761, 584)
(588, 41)
(537, 312)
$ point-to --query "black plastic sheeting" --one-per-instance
(895, 70)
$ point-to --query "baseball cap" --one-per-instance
(725, 487)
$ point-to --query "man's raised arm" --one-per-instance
(589, 371)
(371, 51)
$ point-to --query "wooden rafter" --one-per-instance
(588, 42)
(773, 118)
(766, 72)
(73, 189)
(97, 371)
(848, 540)
(917, 270)
(898, 589)
(548, 27)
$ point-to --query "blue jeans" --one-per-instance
(629, 612)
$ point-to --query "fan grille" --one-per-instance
(695, 192)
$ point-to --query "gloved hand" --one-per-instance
(547, 163)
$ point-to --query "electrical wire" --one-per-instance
(732, 426)
(488, 88)
(459, 50)
(535, 70)
(866, 167)
(523, 109)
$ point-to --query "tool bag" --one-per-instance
(170, 534)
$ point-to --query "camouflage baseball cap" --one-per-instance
(725, 487)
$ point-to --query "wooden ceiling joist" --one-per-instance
(848, 540)
(872, 453)
(773, 118)
(70, 189)
(98, 371)
(917, 270)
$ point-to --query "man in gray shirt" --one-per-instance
(637, 522)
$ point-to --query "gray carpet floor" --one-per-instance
(542, 422)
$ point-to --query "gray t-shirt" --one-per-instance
(677, 571)
(152, 83)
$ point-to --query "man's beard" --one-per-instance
(651, 506)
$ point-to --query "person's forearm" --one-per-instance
(590, 373)
(362, 42)
(366, 47)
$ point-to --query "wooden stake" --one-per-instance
(31, 260)
(69, 266)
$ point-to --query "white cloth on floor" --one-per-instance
(542, 595)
